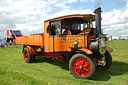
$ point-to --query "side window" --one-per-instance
(58, 27)
(82, 27)
(77, 26)
(90, 24)
(51, 28)
(54, 28)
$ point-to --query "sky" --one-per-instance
(29, 15)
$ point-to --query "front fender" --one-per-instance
(109, 49)
(82, 50)
(87, 51)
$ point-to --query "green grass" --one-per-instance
(14, 70)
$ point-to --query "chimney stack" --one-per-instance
(98, 21)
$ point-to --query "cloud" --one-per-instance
(70, 1)
(62, 5)
(52, 1)
(111, 17)
(29, 15)
(83, 0)
(127, 4)
(69, 12)
(115, 22)
(26, 15)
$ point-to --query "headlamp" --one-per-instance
(102, 46)
(98, 46)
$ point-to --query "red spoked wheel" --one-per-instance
(82, 66)
(27, 57)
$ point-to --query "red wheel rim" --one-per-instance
(26, 55)
(81, 67)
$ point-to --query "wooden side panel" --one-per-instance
(18, 40)
(36, 40)
(63, 43)
(51, 44)
(30, 40)
(23, 40)
(46, 39)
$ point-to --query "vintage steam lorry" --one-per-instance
(71, 39)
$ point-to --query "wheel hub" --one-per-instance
(81, 67)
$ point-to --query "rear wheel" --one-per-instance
(27, 57)
(82, 66)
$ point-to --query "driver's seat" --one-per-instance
(67, 32)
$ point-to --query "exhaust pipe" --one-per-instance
(98, 21)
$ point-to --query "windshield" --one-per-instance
(76, 25)
(70, 26)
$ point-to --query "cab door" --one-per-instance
(63, 39)
(54, 33)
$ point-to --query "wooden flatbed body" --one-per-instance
(36, 40)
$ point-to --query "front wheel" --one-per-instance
(108, 60)
(27, 57)
(82, 66)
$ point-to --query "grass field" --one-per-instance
(14, 70)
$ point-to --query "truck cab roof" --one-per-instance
(86, 16)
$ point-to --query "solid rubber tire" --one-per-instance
(89, 59)
(31, 58)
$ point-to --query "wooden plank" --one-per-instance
(36, 40)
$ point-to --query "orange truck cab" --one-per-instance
(73, 39)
